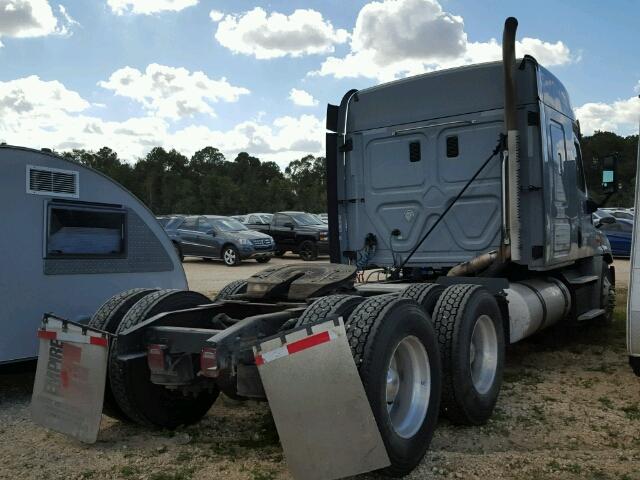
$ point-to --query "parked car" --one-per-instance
(624, 214)
(324, 217)
(240, 218)
(219, 238)
(257, 218)
(619, 234)
(599, 214)
(297, 232)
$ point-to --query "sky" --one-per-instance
(256, 76)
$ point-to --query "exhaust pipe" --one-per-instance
(511, 174)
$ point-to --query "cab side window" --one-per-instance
(582, 184)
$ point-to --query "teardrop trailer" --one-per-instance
(476, 203)
(72, 238)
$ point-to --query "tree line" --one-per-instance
(207, 183)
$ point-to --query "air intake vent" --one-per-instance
(452, 146)
(52, 181)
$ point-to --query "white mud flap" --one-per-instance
(319, 405)
(69, 387)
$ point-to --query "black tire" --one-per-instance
(308, 250)
(376, 328)
(178, 249)
(326, 307)
(455, 316)
(280, 253)
(233, 288)
(634, 363)
(607, 292)
(142, 401)
(263, 259)
(107, 318)
(426, 294)
(230, 256)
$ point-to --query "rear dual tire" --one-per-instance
(471, 338)
(395, 349)
(136, 396)
(107, 318)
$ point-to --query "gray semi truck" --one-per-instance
(465, 188)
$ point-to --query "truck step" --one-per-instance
(583, 280)
(596, 312)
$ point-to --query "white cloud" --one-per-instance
(216, 15)
(396, 38)
(621, 116)
(32, 18)
(171, 92)
(637, 88)
(148, 7)
(304, 32)
(39, 113)
(302, 98)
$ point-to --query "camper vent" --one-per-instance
(52, 181)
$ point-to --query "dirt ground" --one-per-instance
(569, 409)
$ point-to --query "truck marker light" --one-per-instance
(295, 347)
(209, 362)
(156, 357)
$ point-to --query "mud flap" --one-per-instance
(70, 378)
(319, 405)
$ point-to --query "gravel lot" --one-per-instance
(569, 409)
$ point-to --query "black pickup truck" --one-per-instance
(296, 232)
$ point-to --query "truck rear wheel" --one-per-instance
(468, 321)
(107, 318)
(326, 307)
(426, 294)
(232, 288)
(142, 401)
(395, 349)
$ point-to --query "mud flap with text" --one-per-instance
(319, 405)
(70, 379)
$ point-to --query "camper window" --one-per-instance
(82, 232)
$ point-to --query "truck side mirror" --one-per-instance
(289, 225)
(609, 173)
(211, 232)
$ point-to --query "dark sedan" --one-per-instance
(619, 235)
(220, 238)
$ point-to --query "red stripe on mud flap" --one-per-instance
(259, 360)
(46, 334)
(312, 341)
(102, 342)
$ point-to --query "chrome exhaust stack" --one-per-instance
(511, 172)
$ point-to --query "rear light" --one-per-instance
(209, 362)
(156, 358)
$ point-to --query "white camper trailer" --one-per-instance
(71, 239)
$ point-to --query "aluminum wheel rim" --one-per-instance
(483, 355)
(408, 386)
(229, 256)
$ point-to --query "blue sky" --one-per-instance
(94, 86)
